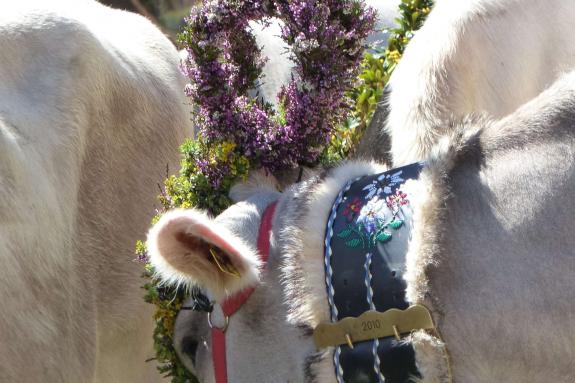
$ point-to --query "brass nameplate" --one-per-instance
(373, 325)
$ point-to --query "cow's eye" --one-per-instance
(189, 347)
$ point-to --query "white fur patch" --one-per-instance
(259, 180)
(431, 358)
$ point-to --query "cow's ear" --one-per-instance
(188, 247)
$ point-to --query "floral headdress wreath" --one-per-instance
(326, 38)
(223, 63)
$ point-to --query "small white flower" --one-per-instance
(372, 213)
(372, 189)
(392, 179)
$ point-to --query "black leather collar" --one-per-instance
(365, 247)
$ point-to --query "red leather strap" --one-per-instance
(233, 303)
(265, 232)
(219, 355)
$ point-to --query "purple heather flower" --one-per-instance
(224, 61)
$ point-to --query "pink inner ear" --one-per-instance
(213, 238)
(188, 247)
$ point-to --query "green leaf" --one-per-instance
(362, 97)
(383, 236)
(414, 17)
(353, 243)
(396, 223)
(344, 233)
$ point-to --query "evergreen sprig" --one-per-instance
(376, 69)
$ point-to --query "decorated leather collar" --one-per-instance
(365, 247)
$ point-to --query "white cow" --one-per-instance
(91, 113)
(482, 56)
(490, 254)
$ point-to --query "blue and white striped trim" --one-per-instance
(367, 281)
(337, 364)
(328, 252)
(375, 344)
(329, 272)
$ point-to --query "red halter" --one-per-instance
(233, 303)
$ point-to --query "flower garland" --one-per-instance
(224, 62)
(238, 133)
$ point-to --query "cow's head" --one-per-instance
(219, 255)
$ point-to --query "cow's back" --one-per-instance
(481, 57)
(91, 113)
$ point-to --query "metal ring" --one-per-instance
(222, 329)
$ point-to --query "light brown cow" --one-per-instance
(91, 113)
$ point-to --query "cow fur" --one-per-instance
(91, 113)
(482, 56)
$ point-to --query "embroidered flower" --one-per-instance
(383, 184)
(373, 189)
(352, 208)
(371, 214)
(396, 201)
(390, 180)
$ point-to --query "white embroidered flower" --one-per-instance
(383, 184)
(372, 189)
(391, 180)
(372, 213)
